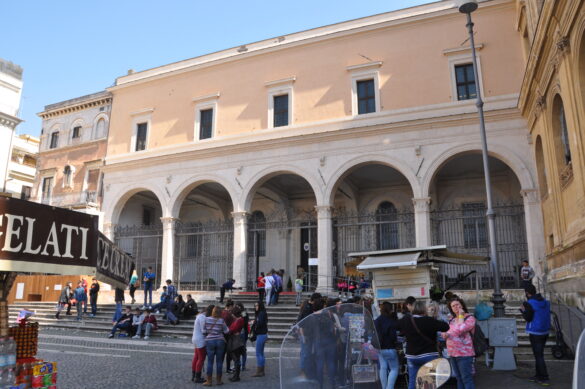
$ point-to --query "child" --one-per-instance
(137, 321)
(299, 290)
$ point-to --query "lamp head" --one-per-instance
(466, 6)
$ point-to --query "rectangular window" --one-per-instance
(54, 140)
(366, 95)
(474, 225)
(147, 216)
(47, 190)
(205, 123)
(465, 80)
(280, 110)
(25, 192)
(76, 132)
(141, 130)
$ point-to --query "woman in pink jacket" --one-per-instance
(460, 343)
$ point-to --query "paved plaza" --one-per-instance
(90, 359)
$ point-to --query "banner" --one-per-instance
(38, 238)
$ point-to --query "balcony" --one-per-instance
(85, 199)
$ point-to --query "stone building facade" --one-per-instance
(23, 166)
(552, 101)
(308, 146)
(72, 152)
(10, 93)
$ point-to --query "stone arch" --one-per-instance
(358, 162)
(559, 124)
(116, 205)
(541, 166)
(179, 195)
(262, 176)
(101, 116)
(497, 151)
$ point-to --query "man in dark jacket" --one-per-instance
(124, 323)
(307, 308)
(65, 299)
(536, 312)
(228, 285)
(93, 296)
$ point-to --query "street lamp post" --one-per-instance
(467, 7)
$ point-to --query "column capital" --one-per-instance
(324, 211)
(530, 195)
(240, 216)
(169, 222)
(421, 204)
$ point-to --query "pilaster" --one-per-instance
(325, 248)
(240, 267)
(168, 248)
(422, 221)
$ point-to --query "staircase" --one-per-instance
(280, 319)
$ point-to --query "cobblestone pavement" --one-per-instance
(96, 362)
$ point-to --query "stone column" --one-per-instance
(240, 250)
(422, 221)
(324, 248)
(168, 249)
(110, 230)
(535, 238)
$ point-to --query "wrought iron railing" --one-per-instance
(144, 243)
(72, 199)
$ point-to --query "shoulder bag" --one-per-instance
(424, 336)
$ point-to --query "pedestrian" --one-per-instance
(214, 330)
(164, 301)
(137, 321)
(172, 292)
(407, 307)
(325, 344)
(93, 296)
(174, 313)
(459, 340)
(149, 324)
(299, 290)
(420, 331)
(124, 323)
(269, 283)
(132, 286)
(228, 285)
(536, 312)
(198, 340)
(81, 300)
(119, 299)
(526, 274)
(235, 345)
(276, 288)
(84, 286)
(386, 327)
(260, 286)
(64, 300)
(245, 333)
(307, 307)
(190, 308)
(148, 280)
(260, 331)
(228, 319)
(306, 330)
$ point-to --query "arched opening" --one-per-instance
(373, 210)
(204, 237)
(541, 168)
(67, 177)
(458, 219)
(561, 140)
(100, 129)
(139, 231)
(282, 228)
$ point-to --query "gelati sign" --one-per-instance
(39, 238)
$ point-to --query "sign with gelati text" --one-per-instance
(114, 266)
(39, 238)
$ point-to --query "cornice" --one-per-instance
(75, 107)
(9, 120)
(346, 128)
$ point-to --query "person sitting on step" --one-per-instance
(124, 323)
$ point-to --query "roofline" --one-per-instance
(367, 23)
(75, 102)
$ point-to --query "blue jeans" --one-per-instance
(215, 349)
(93, 302)
(463, 367)
(307, 365)
(538, 343)
(388, 368)
(413, 365)
(117, 312)
(244, 337)
(79, 306)
(260, 342)
(326, 356)
(147, 294)
(268, 295)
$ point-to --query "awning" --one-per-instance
(389, 261)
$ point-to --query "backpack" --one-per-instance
(480, 343)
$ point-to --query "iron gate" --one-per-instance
(464, 230)
(204, 254)
(144, 243)
(259, 242)
(381, 230)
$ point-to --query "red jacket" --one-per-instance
(237, 325)
(260, 282)
(152, 320)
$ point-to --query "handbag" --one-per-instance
(252, 335)
(235, 342)
(424, 336)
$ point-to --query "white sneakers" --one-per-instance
(146, 337)
(136, 337)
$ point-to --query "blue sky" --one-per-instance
(72, 48)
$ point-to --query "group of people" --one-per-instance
(222, 333)
(135, 323)
(270, 285)
(78, 297)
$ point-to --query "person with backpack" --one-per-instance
(269, 284)
(420, 331)
(536, 312)
(64, 299)
(459, 340)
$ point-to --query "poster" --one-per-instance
(19, 291)
(356, 327)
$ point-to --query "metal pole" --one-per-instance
(497, 297)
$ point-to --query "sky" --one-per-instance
(70, 48)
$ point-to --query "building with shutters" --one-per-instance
(72, 151)
(299, 149)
